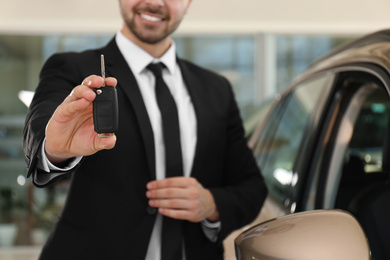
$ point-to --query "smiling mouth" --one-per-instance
(151, 18)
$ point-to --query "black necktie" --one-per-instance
(171, 240)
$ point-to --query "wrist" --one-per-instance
(214, 217)
(56, 159)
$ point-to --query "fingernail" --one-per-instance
(88, 82)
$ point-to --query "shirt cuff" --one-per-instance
(47, 166)
(211, 229)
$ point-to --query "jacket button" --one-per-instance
(151, 210)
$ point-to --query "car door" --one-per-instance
(350, 162)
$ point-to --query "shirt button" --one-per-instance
(151, 210)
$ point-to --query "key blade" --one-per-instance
(103, 69)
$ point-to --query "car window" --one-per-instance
(358, 151)
(283, 137)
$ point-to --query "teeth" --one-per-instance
(151, 18)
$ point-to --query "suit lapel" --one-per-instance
(115, 64)
(194, 86)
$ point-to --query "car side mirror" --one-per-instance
(318, 234)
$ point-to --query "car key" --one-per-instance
(105, 108)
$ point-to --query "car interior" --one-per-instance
(364, 188)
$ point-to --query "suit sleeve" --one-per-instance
(58, 77)
(243, 192)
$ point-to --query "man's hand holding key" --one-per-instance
(70, 131)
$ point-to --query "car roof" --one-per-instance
(373, 48)
(376, 37)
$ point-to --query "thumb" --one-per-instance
(105, 142)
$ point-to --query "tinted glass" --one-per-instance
(363, 157)
(283, 138)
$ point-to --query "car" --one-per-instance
(325, 143)
(259, 112)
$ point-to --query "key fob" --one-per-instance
(105, 111)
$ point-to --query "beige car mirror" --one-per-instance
(314, 235)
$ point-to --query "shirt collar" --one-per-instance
(138, 59)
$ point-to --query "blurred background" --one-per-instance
(259, 45)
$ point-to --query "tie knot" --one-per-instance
(156, 68)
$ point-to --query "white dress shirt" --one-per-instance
(138, 60)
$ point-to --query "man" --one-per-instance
(120, 197)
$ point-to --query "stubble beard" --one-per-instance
(147, 34)
(144, 37)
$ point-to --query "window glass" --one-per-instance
(296, 52)
(230, 56)
(281, 141)
(15, 211)
(355, 157)
(363, 155)
(370, 131)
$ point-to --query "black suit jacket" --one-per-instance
(106, 215)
